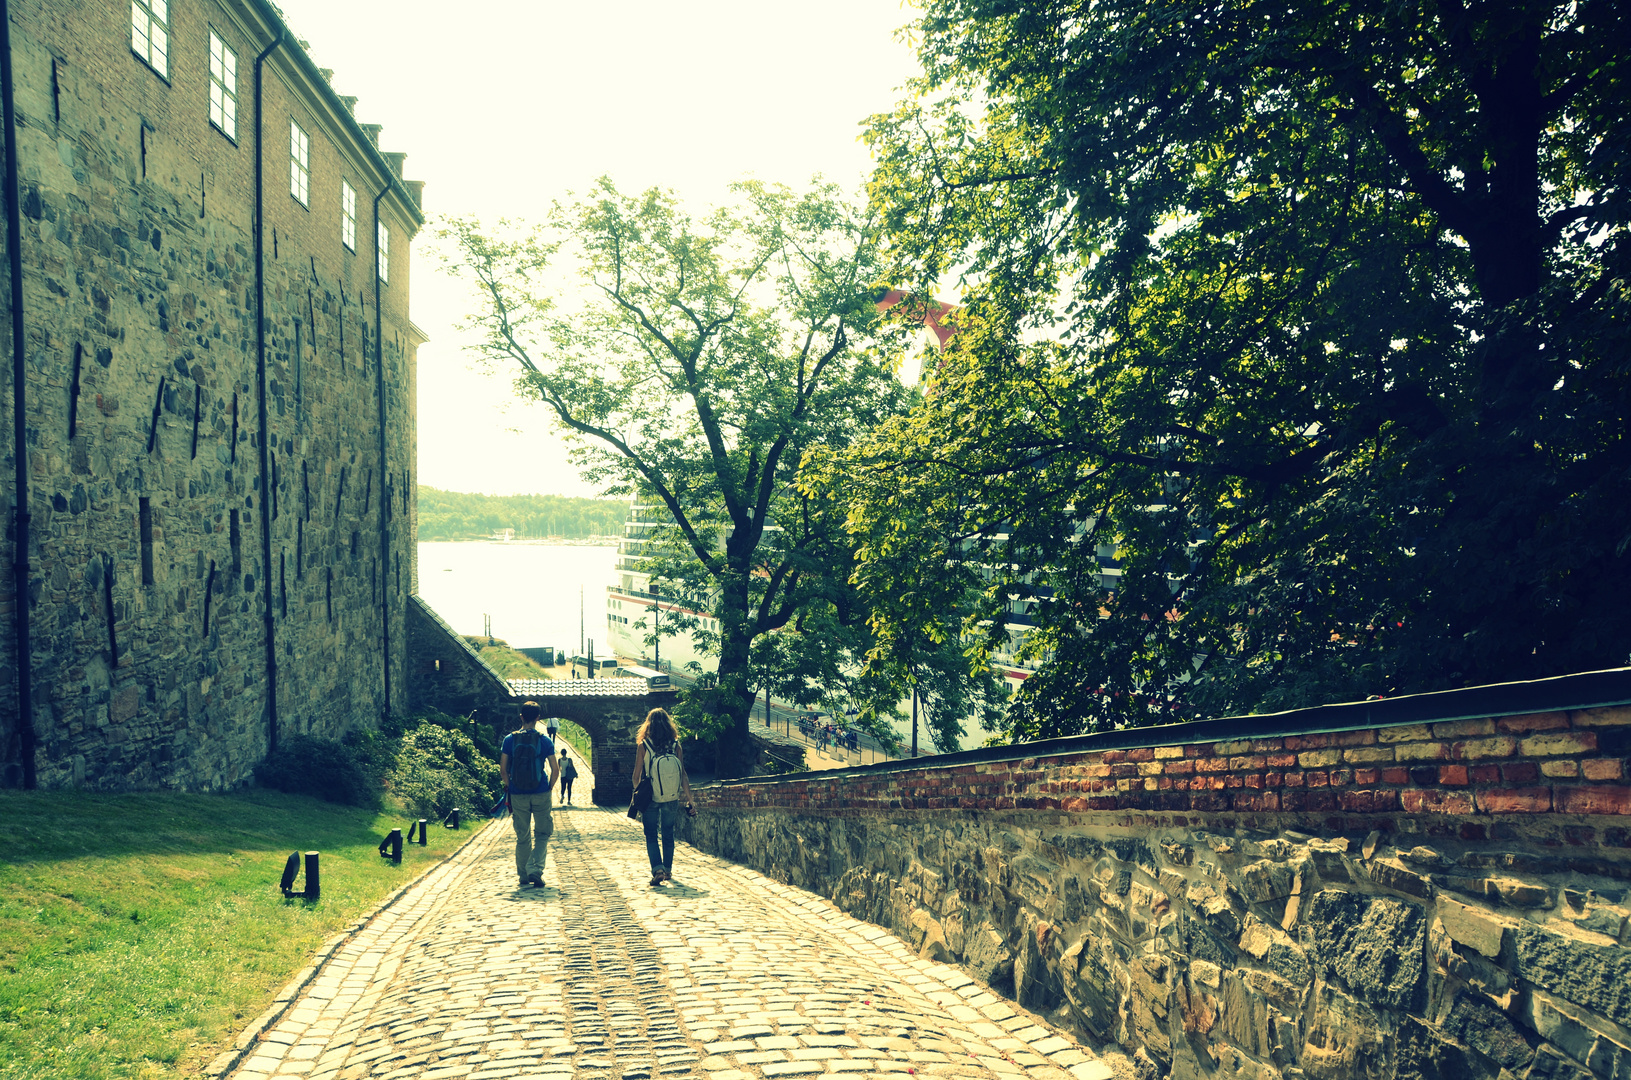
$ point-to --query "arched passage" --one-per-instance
(611, 711)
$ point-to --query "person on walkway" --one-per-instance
(569, 773)
(657, 755)
(521, 768)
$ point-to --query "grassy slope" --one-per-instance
(139, 933)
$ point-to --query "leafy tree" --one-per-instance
(710, 356)
(1293, 358)
(458, 515)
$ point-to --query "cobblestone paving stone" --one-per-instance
(722, 974)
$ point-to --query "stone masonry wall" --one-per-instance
(146, 495)
(1425, 900)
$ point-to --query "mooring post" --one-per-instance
(422, 838)
(452, 819)
(313, 885)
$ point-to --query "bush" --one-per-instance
(304, 765)
(479, 734)
(437, 769)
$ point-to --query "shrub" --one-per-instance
(305, 765)
(437, 769)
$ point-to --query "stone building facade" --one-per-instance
(216, 510)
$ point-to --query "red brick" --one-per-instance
(1113, 756)
(1179, 768)
(1199, 750)
(1216, 764)
(1395, 776)
(1253, 780)
(1282, 761)
(1452, 729)
(1271, 779)
(1342, 777)
(1475, 749)
(1294, 779)
(1356, 802)
(1603, 768)
(1530, 800)
(1263, 746)
(1366, 777)
(1366, 737)
(1430, 801)
(1143, 753)
(1235, 780)
(1559, 744)
(1594, 799)
(1485, 774)
(1248, 763)
(1612, 716)
(1307, 742)
(1520, 772)
(1519, 725)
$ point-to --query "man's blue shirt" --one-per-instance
(546, 750)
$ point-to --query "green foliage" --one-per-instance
(459, 515)
(140, 933)
(712, 354)
(1293, 360)
(323, 768)
(480, 735)
(440, 767)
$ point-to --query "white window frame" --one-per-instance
(383, 252)
(348, 215)
(223, 87)
(299, 164)
(150, 34)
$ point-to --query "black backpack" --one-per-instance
(526, 764)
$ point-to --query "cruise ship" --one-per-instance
(634, 608)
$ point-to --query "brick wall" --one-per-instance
(1428, 898)
(1564, 763)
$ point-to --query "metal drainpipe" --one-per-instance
(384, 491)
(260, 384)
(19, 401)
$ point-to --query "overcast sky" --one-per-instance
(504, 107)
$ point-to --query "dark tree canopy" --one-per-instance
(1309, 319)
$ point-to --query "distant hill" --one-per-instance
(458, 515)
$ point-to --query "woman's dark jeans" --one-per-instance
(664, 815)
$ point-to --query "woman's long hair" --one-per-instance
(659, 729)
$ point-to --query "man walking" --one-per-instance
(521, 768)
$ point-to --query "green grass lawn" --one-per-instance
(140, 933)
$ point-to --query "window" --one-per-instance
(299, 164)
(348, 215)
(223, 87)
(150, 33)
(384, 252)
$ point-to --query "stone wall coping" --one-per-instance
(561, 688)
(1563, 693)
(500, 686)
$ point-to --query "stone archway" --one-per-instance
(611, 711)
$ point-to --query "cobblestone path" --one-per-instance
(720, 975)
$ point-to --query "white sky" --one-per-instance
(503, 107)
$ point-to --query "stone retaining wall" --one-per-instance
(1436, 900)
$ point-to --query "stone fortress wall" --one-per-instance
(148, 527)
(1432, 887)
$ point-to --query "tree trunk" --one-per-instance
(735, 753)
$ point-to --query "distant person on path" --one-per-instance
(521, 768)
(657, 755)
(569, 773)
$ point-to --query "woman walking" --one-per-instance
(657, 758)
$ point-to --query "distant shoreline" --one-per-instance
(532, 541)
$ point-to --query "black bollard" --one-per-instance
(422, 838)
(452, 819)
(291, 870)
(391, 846)
(313, 886)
